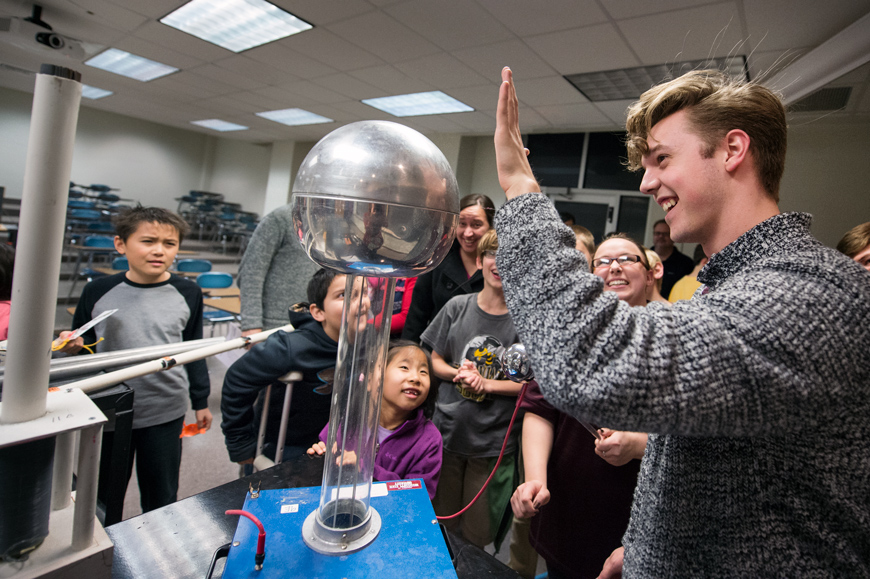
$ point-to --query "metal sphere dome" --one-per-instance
(376, 198)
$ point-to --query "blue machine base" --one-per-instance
(409, 544)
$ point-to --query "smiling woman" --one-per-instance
(458, 274)
(622, 264)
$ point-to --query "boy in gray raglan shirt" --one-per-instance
(154, 307)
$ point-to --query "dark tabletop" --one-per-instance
(179, 540)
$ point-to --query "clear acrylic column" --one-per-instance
(375, 201)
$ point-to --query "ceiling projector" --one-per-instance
(32, 34)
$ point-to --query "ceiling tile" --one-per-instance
(489, 60)
(152, 8)
(362, 111)
(689, 34)
(282, 98)
(441, 70)
(227, 77)
(782, 26)
(552, 90)
(349, 86)
(313, 92)
(531, 121)
(450, 24)
(322, 13)
(245, 67)
(331, 49)
(209, 86)
(282, 58)
(481, 98)
(582, 50)
(574, 116)
(434, 123)
(391, 81)
(768, 65)
(620, 9)
(615, 110)
(162, 35)
(476, 122)
(526, 18)
(383, 37)
(157, 52)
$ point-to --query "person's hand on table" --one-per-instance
(514, 172)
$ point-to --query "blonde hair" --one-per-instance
(855, 240)
(488, 242)
(715, 103)
(653, 259)
(585, 237)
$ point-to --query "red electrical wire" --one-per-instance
(261, 539)
(500, 456)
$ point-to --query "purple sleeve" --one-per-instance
(427, 464)
(324, 434)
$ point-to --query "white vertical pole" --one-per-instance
(86, 487)
(40, 242)
(61, 477)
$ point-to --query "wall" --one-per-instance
(241, 172)
(825, 175)
(148, 162)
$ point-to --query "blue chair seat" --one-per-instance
(193, 265)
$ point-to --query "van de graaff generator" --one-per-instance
(377, 201)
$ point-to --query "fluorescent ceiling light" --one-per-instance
(630, 83)
(236, 25)
(219, 125)
(92, 92)
(294, 117)
(130, 65)
(421, 103)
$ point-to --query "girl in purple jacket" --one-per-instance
(409, 444)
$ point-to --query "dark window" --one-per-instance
(604, 164)
(632, 216)
(555, 158)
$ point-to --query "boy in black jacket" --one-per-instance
(310, 349)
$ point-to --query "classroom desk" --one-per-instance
(179, 540)
(221, 292)
(230, 304)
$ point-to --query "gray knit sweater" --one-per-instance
(274, 272)
(759, 392)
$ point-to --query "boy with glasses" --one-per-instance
(741, 385)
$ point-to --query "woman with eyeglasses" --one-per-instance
(581, 503)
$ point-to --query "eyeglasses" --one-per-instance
(621, 260)
(490, 253)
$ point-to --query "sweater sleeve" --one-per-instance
(728, 363)
(197, 372)
(264, 244)
(420, 309)
(427, 465)
(253, 372)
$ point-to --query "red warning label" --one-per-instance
(403, 485)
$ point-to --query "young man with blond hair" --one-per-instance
(756, 392)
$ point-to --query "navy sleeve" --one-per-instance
(197, 372)
(253, 372)
(91, 294)
(421, 308)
